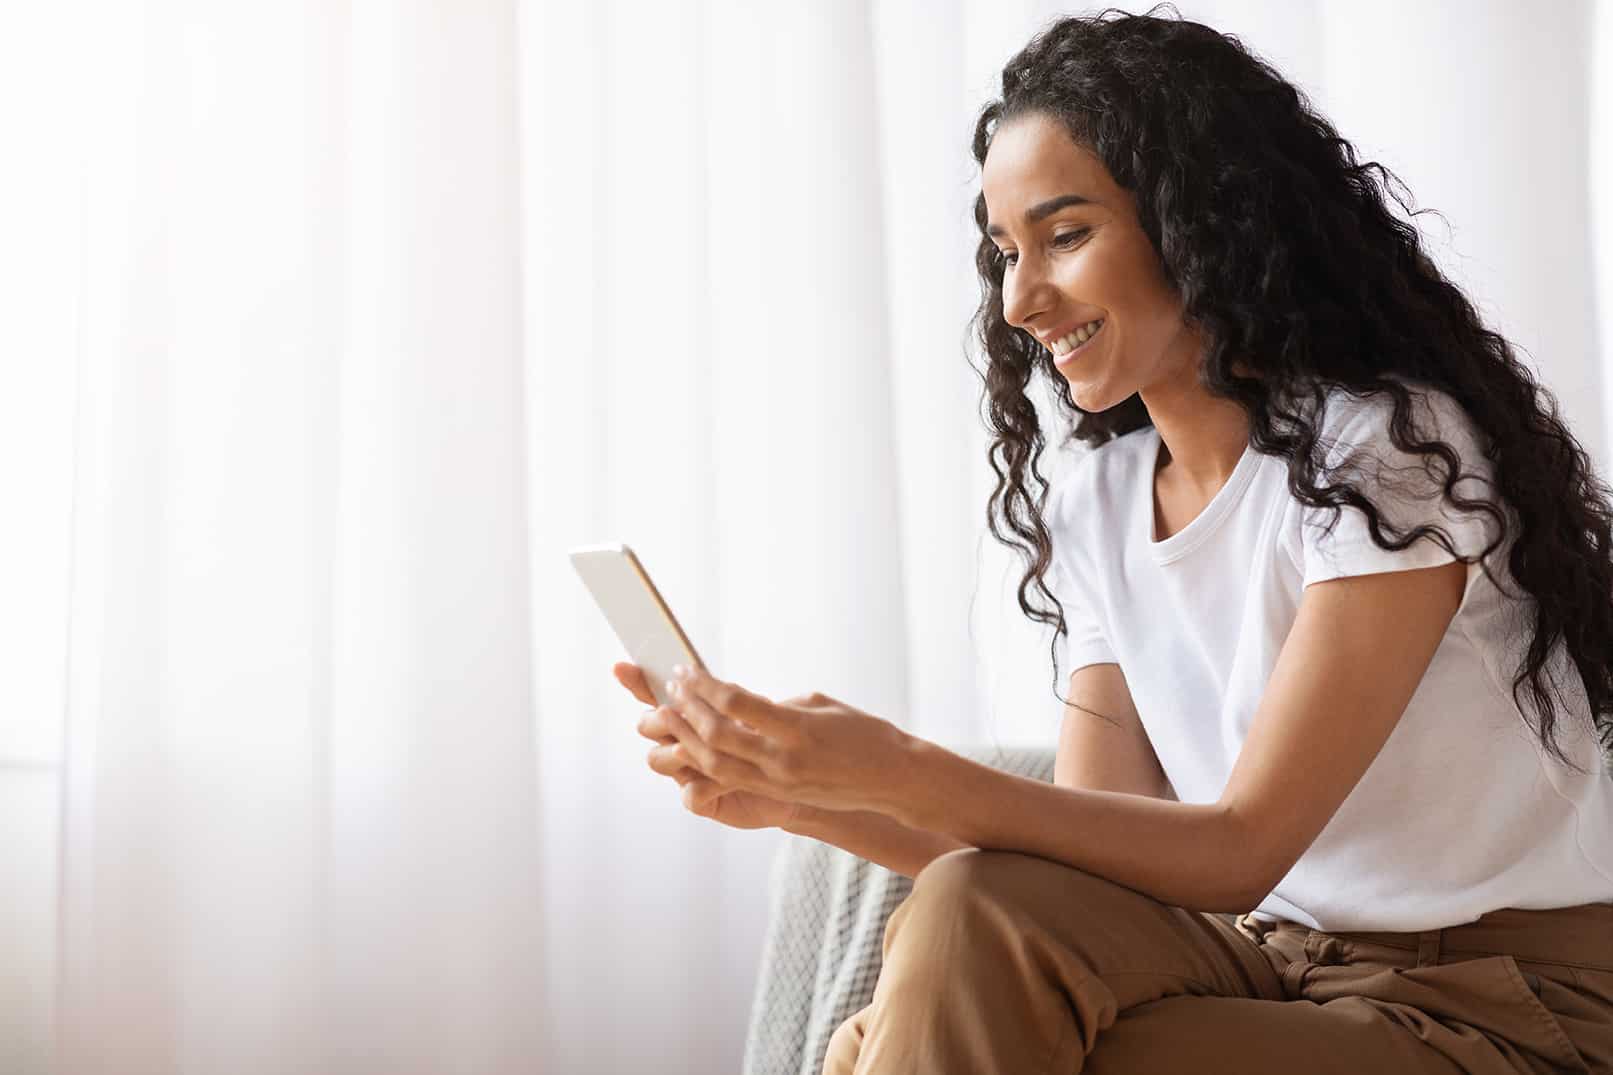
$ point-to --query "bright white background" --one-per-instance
(329, 326)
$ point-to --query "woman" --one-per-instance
(1357, 578)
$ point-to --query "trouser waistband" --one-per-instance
(1581, 935)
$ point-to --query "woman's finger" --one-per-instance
(652, 724)
(740, 706)
(722, 734)
(699, 792)
(714, 761)
(631, 676)
(671, 759)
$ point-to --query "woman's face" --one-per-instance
(1073, 263)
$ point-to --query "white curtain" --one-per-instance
(334, 324)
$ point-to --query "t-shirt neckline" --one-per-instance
(1205, 522)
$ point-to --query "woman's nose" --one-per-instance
(1020, 292)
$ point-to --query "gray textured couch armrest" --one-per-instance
(825, 937)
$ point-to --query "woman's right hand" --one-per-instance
(734, 807)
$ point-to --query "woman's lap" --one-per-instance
(1004, 960)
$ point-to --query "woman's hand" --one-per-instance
(814, 749)
(701, 795)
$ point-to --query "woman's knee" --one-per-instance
(844, 1045)
(972, 872)
(972, 869)
(945, 865)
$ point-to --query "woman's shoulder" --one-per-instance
(1100, 477)
(1353, 422)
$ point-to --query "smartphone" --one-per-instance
(635, 610)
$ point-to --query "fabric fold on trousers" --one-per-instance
(1002, 961)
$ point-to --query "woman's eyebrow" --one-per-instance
(1045, 209)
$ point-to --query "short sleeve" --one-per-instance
(1403, 485)
(1086, 642)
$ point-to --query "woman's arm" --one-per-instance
(876, 837)
(1192, 855)
(1358, 649)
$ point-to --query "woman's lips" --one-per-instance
(1066, 359)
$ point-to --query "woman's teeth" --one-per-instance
(1076, 338)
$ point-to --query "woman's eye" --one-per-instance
(1066, 240)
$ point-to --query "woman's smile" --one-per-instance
(1080, 348)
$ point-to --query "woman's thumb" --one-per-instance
(632, 677)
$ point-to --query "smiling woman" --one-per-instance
(1079, 260)
(1243, 263)
(1320, 495)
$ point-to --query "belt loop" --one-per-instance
(1428, 945)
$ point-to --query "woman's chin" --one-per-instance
(1085, 395)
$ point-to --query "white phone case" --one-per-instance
(636, 612)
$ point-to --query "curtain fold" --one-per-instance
(301, 800)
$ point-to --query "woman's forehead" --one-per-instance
(1034, 160)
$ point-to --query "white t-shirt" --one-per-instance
(1462, 811)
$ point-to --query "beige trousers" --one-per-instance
(999, 962)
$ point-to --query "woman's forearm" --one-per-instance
(1193, 855)
(879, 838)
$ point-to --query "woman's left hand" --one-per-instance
(809, 749)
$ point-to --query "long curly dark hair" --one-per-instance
(1285, 254)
